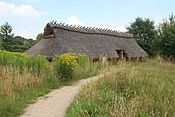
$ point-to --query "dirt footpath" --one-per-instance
(57, 101)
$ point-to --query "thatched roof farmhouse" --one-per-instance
(94, 42)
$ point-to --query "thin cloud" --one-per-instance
(113, 27)
(6, 8)
(23, 33)
(24, 11)
(73, 20)
(29, 1)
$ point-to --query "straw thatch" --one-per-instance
(94, 42)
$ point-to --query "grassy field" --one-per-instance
(130, 89)
(24, 78)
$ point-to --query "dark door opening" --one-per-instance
(121, 54)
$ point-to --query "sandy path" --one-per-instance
(56, 102)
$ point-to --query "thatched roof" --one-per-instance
(94, 42)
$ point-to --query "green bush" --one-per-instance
(65, 64)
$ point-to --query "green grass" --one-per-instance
(129, 89)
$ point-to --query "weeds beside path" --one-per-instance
(57, 101)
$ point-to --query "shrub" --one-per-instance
(65, 64)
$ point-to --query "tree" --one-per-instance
(145, 34)
(13, 43)
(6, 35)
(1, 44)
(39, 37)
(6, 31)
(167, 37)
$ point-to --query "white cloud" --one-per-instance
(23, 33)
(27, 34)
(73, 20)
(30, 1)
(6, 8)
(113, 27)
(120, 28)
(25, 11)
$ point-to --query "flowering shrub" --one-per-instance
(65, 64)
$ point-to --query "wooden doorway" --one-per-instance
(121, 54)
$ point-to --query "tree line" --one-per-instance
(155, 40)
(13, 43)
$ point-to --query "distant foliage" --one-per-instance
(65, 64)
(6, 31)
(167, 37)
(145, 34)
(158, 40)
(39, 37)
(13, 43)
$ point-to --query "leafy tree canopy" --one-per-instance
(39, 37)
(167, 37)
(13, 43)
(144, 32)
(6, 31)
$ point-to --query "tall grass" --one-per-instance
(23, 78)
(72, 67)
(21, 60)
(18, 88)
(129, 90)
(87, 69)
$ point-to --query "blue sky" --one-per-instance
(29, 17)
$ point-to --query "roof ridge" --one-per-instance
(89, 29)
